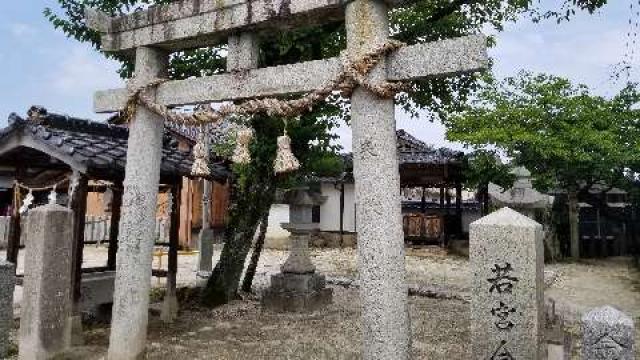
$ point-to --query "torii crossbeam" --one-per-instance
(152, 34)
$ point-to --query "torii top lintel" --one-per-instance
(192, 23)
(197, 23)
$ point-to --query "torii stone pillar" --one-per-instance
(381, 262)
(137, 224)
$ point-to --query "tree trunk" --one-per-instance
(574, 230)
(245, 215)
(485, 199)
(255, 257)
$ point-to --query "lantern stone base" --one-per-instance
(291, 292)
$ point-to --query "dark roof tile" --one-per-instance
(98, 144)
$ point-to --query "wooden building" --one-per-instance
(85, 159)
(422, 169)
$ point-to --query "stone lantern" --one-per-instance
(298, 288)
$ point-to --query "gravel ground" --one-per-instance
(440, 327)
(241, 330)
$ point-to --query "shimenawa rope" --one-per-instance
(353, 74)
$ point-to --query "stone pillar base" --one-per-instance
(77, 334)
(297, 293)
(169, 312)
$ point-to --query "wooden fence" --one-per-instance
(96, 230)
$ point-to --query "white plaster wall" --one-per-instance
(278, 214)
(330, 209)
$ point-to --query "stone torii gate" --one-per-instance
(153, 34)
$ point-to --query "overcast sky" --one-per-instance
(39, 65)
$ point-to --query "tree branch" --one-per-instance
(445, 11)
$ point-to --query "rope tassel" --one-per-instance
(241, 154)
(285, 160)
(200, 167)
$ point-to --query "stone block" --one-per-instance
(287, 282)
(298, 261)
(296, 293)
(608, 334)
(450, 56)
(296, 301)
(507, 309)
(7, 286)
(205, 254)
(45, 329)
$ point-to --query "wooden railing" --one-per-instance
(96, 230)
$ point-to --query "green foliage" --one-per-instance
(561, 132)
(485, 166)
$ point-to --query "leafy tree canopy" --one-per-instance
(562, 133)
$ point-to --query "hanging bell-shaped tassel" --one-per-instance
(241, 154)
(285, 160)
(200, 167)
(53, 196)
(28, 200)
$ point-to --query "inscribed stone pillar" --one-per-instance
(45, 327)
(381, 263)
(7, 286)
(608, 334)
(205, 242)
(507, 309)
(137, 223)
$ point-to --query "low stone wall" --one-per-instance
(277, 243)
(326, 239)
(322, 239)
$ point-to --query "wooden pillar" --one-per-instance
(459, 208)
(447, 217)
(79, 207)
(170, 306)
(116, 210)
(13, 245)
(423, 202)
(342, 212)
(443, 216)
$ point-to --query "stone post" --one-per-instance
(608, 334)
(137, 224)
(7, 286)
(243, 52)
(45, 324)
(205, 243)
(507, 309)
(381, 264)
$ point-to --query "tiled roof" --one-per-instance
(408, 142)
(98, 146)
(414, 151)
(410, 151)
